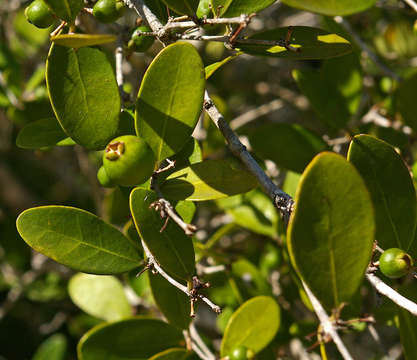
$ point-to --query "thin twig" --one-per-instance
(327, 324)
(371, 54)
(119, 68)
(412, 4)
(391, 294)
(153, 263)
(195, 336)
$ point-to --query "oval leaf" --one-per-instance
(66, 9)
(312, 43)
(42, 133)
(99, 296)
(134, 338)
(391, 188)
(53, 348)
(84, 94)
(81, 40)
(185, 7)
(331, 231)
(259, 317)
(212, 68)
(331, 8)
(208, 180)
(289, 145)
(172, 249)
(173, 303)
(230, 8)
(78, 239)
(170, 99)
(171, 354)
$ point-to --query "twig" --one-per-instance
(326, 323)
(282, 200)
(391, 294)
(385, 69)
(152, 263)
(195, 336)
(412, 4)
(119, 67)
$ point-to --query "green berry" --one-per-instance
(103, 178)
(39, 14)
(395, 263)
(239, 353)
(108, 11)
(128, 160)
(140, 43)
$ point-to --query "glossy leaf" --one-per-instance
(405, 101)
(253, 325)
(171, 354)
(173, 303)
(391, 188)
(289, 145)
(253, 211)
(230, 8)
(184, 7)
(84, 94)
(208, 180)
(186, 209)
(81, 40)
(78, 239)
(171, 248)
(42, 133)
(66, 9)
(331, 231)
(99, 296)
(331, 8)
(339, 79)
(313, 44)
(130, 339)
(53, 348)
(212, 68)
(170, 99)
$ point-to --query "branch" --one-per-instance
(412, 4)
(282, 200)
(390, 293)
(365, 48)
(195, 336)
(152, 263)
(327, 324)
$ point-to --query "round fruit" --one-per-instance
(108, 11)
(395, 263)
(239, 353)
(128, 160)
(39, 14)
(103, 178)
(140, 43)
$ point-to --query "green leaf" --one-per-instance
(184, 7)
(186, 209)
(289, 145)
(208, 180)
(171, 354)
(253, 211)
(159, 8)
(391, 188)
(66, 9)
(230, 8)
(171, 248)
(212, 68)
(99, 296)
(42, 133)
(84, 94)
(331, 8)
(130, 339)
(78, 239)
(173, 303)
(170, 99)
(81, 40)
(253, 325)
(313, 44)
(331, 231)
(405, 102)
(53, 348)
(339, 79)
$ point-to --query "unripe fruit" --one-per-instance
(395, 263)
(108, 11)
(103, 178)
(128, 160)
(39, 14)
(239, 353)
(140, 43)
